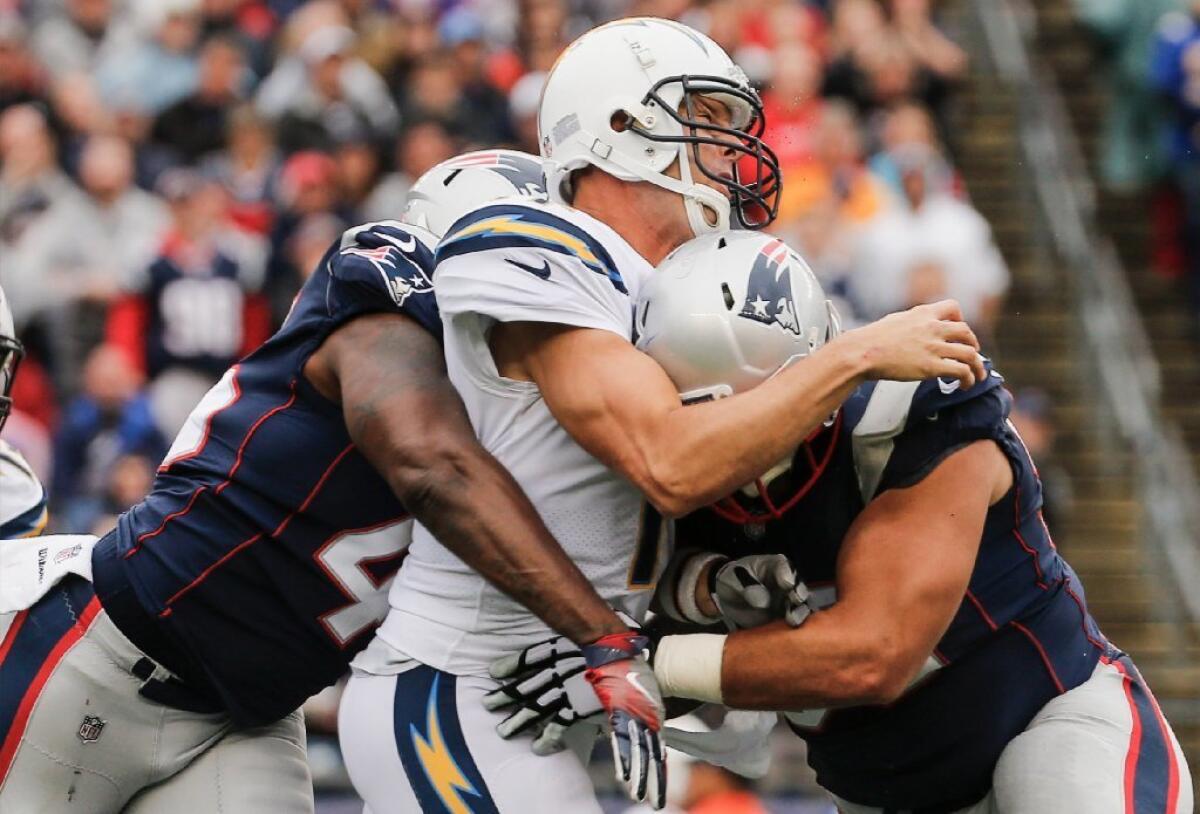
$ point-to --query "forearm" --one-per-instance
(702, 452)
(474, 508)
(830, 661)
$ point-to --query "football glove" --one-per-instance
(545, 691)
(541, 684)
(758, 589)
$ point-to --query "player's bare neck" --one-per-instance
(644, 215)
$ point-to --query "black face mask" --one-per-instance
(11, 354)
(755, 197)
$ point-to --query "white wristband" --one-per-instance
(689, 583)
(690, 666)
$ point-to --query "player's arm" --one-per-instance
(404, 415)
(621, 406)
(902, 573)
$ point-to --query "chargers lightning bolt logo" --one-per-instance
(769, 297)
(439, 765)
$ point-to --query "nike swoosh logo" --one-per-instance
(405, 246)
(542, 271)
(947, 389)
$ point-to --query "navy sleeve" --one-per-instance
(382, 268)
(940, 423)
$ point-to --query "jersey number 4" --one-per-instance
(347, 560)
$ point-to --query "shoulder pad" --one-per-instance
(893, 407)
(23, 511)
(514, 225)
(935, 395)
(389, 256)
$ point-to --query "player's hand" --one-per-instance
(920, 343)
(620, 673)
(545, 691)
(755, 590)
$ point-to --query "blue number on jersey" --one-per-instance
(267, 542)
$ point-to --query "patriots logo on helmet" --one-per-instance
(523, 173)
(769, 298)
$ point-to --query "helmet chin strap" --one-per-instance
(700, 200)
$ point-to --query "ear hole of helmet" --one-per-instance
(620, 121)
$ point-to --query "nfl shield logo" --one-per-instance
(90, 729)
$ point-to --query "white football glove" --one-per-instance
(545, 691)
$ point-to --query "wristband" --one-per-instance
(689, 581)
(690, 666)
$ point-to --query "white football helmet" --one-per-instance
(723, 313)
(11, 353)
(456, 186)
(620, 98)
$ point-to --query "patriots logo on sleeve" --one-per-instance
(390, 252)
(769, 297)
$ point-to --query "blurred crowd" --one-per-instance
(173, 169)
(1149, 54)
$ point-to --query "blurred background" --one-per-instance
(171, 170)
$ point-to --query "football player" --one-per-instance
(258, 565)
(951, 664)
(651, 136)
(22, 498)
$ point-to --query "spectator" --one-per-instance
(192, 311)
(792, 104)
(1176, 75)
(30, 179)
(308, 185)
(1131, 153)
(129, 480)
(461, 31)
(839, 172)
(162, 69)
(21, 77)
(420, 147)
(929, 247)
(80, 36)
(74, 260)
(197, 125)
(317, 95)
(110, 418)
(249, 169)
(523, 102)
(1033, 416)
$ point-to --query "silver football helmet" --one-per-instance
(456, 186)
(11, 353)
(725, 312)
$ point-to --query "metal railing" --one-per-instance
(1117, 346)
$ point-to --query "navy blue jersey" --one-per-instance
(1021, 636)
(197, 307)
(267, 542)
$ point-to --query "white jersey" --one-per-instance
(543, 263)
(22, 498)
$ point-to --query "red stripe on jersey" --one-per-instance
(1037, 566)
(208, 422)
(979, 607)
(203, 575)
(137, 545)
(250, 434)
(21, 719)
(1058, 685)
